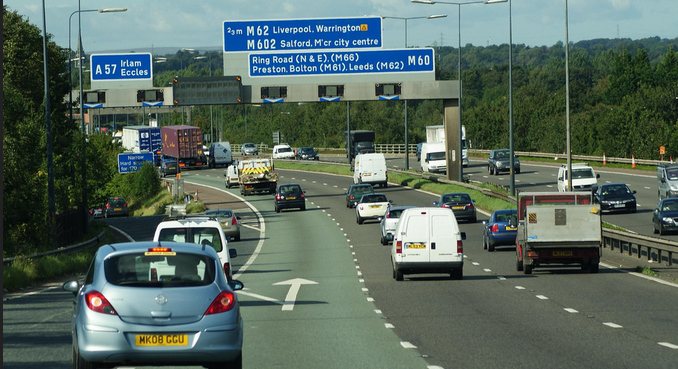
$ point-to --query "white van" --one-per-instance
(231, 175)
(283, 151)
(433, 158)
(427, 240)
(667, 180)
(370, 168)
(220, 154)
(583, 178)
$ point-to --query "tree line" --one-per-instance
(623, 102)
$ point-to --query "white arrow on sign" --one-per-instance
(291, 297)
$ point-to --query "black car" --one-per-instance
(665, 216)
(616, 197)
(356, 192)
(306, 153)
(115, 206)
(499, 161)
(461, 204)
(289, 196)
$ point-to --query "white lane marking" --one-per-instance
(612, 325)
(260, 297)
(406, 344)
(501, 278)
(488, 270)
(370, 299)
(669, 345)
(377, 311)
(389, 326)
(520, 287)
(542, 297)
(570, 310)
(475, 263)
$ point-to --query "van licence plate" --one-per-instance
(161, 340)
(562, 253)
(415, 246)
(367, 174)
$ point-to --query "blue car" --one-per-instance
(497, 231)
(665, 216)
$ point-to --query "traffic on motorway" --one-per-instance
(320, 292)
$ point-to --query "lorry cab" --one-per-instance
(371, 169)
(667, 180)
(427, 240)
(583, 178)
(433, 158)
(220, 154)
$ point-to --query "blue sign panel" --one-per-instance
(302, 34)
(128, 163)
(342, 62)
(121, 67)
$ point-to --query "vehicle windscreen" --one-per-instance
(168, 270)
(361, 190)
(284, 149)
(672, 174)
(436, 155)
(307, 150)
(582, 173)
(374, 198)
(199, 235)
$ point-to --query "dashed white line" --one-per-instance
(389, 326)
(475, 263)
(669, 345)
(612, 325)
(488, 270)
(406, 344)
(520, 287)
(377, 311)
(370, 299)
(501, 278)
(542, 297)
(570, 310)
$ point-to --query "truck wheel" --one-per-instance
(519, 265)
(594, 267)
(527, 268)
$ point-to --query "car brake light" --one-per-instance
(470, 206)
(97, 302)
(351, 197)
(277, 196)
(445, 206)
(302, 196)
(399, 247)
(108, 205)
(124, 205)
(225, 301)
(460, 247)
(495, 228)
(227, 270)
(154, 274)
(234, 221)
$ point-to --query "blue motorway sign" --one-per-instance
(302, 34)
(341, 62)
(128, 162)
(121, 67)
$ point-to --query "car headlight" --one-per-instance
(668, 220)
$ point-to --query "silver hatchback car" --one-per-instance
(147, 303)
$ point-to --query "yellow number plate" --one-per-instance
(117, 209)
(161, 340)
(511, 228)
(416, 246)
(457, 207)
(562, 253)
(375, 206)
(290, 197)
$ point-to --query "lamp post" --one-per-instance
(70, 59)
(459, 143)
(407, 144)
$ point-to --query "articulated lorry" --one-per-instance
(361, 142)
(557, 228)
(256, 176)
(436, 134)
(143, 138)
(184, 143)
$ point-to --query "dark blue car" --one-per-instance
(665, 216)
(497, 231)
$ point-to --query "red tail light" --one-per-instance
(351, 197)
(399, 247)
(460, 247)
(97, 302)
(108, 205)
(303, 196)
(225, 301)
(469, 206)
(277, 197)
(124, 205)
(495, 228)
(234, 221)
(445, 206)
(154, 274)
(227, 270)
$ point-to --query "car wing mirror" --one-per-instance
(435, 203)
(389, 237)
(232, 253)
(72, 286)
(236, 285)
(463, 235)
(513, 221)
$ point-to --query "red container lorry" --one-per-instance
(184, 143)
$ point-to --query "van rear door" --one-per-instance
(415, 245)
(443, 241)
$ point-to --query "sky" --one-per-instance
(151, 24)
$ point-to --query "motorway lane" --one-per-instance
(499, 318)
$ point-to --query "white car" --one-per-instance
(200, 230)
(390, 221)
(371, 206)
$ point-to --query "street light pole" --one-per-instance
(459, 158)
(407, 144)
(70, 59)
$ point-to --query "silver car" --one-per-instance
(249, 149)
(230, 223)
(152, 303)
(389, 223)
